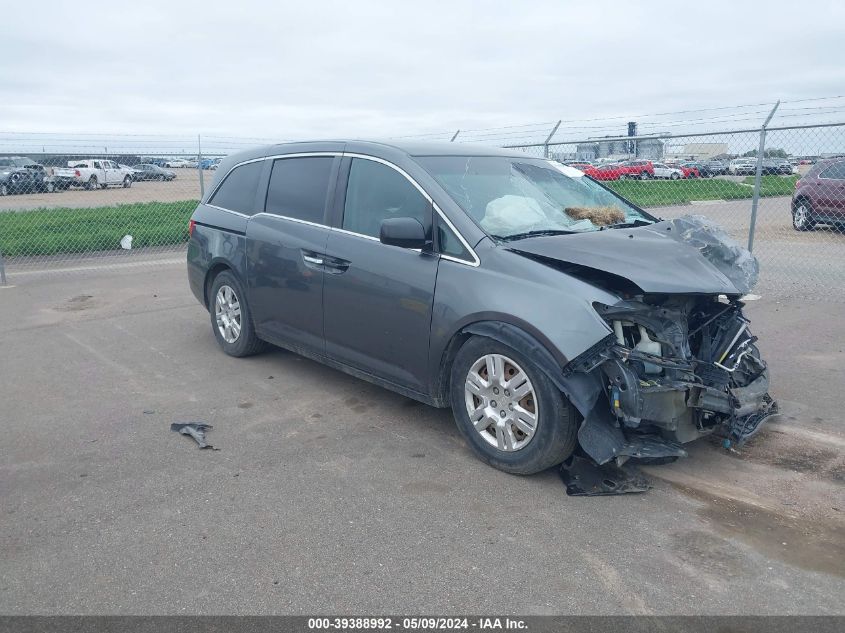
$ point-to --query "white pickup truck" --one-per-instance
(92, 173)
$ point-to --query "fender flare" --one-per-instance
(518, 338)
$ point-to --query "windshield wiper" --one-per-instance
(626, 225)
(538, 233)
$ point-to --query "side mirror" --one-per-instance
(403, 232)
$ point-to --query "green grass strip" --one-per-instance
(53, 231)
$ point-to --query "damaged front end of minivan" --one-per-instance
(677, 365)
(676, 368)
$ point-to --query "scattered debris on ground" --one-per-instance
(584, 478)
(196, 430)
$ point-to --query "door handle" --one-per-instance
(335, 265)
(310, 259)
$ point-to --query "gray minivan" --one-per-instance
(546, 310)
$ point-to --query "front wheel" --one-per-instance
(161, 177)
(645, 176)
(231, 319)
(509, 411)
(674, 176)
(4, 189)
(127, 182)
(802, 216)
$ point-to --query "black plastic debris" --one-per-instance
(584, 478)
(196, 430)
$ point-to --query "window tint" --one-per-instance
(835, 171)
(299, 186)
(377, 192)
(237, 193)
(449, 242)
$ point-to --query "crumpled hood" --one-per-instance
(659, 258)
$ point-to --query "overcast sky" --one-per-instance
(291, 70)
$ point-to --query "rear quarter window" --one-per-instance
(238, 189)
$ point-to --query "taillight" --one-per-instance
(797, 183)
(191, 225)
(77, 173)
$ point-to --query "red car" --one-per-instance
(819, 196)
(640, 169)
(605, 172)
(689, 171)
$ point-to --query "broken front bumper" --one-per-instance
(704, 377)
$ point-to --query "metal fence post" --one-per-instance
(549, 138)
(758, 176)
(2, 269)
(454, 136)
(199, 166)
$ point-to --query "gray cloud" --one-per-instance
(321, 69)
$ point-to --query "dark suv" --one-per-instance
(819, 196)
(19, 174)
(543, 308)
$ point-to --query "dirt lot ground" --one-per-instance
(186, 186)
(332, 495)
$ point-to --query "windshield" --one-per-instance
(5, 162)
(508, 197)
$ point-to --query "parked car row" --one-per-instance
(19, 174)
(640, 169)
(636, 170)
(771, 166)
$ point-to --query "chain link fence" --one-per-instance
(788, 207)
(58, 207)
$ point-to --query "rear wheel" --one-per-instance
(127, 182)
(231, 319)
(645, 175)
(4, 189)
(802, 216)
(509, 411)
(92, 183)
(674, 176)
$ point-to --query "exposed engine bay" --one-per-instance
(675, 368)
(677, 365)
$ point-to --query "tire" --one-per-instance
(674, 176)
(4, 189)
(50, 187)
(161, 178)
(802, 215)
(91, 185)
(645, 175)
(127, 182)
(238, 342)
(554, 432)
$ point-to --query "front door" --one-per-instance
(378, 298)
(285, 250)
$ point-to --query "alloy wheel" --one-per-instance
(801, 217)
(227, 313)
(501, 402)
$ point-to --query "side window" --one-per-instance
(449, 243)
(377, 192)
(237, 192)
(97, 165)
(299, 186)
